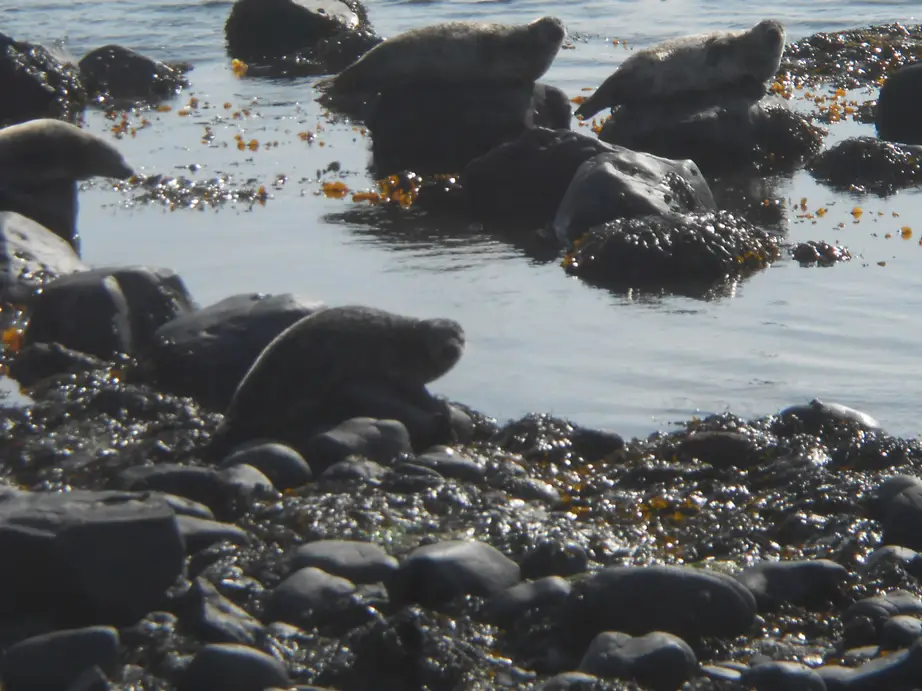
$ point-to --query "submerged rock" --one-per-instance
(869, 164)
(819, 252)
(119, 74)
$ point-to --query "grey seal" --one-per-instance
(48, 150)
(332, 354)
(455, 53)
(697, 63)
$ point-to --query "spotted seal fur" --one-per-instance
(692, 64)
(455, 53)
(336, 350)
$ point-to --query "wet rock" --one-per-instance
(57, 660)
(627, 184)
(205, 354)
(284, 466)
(440, 129)
(721, 674)
(527, 178)
(201, 533)
(208, 486)
(435, 574)
(108, 311)
(45, 87)
(782, 676)
(116, 73)
(381, 441)
(897, 115)
(551, 558)
(898, 502)
(570, 681)
(31, 256)
(909, 559)
(299, 36)
(867, 164)
(42, 360)
(658, 660)
(900, 631)
(506, 606)
(87, 557)
(684, 601)
(801, 583)
(216, 619)
(819, 252)
(865, 618)
(352, 471)
(359, 562)
(304, 595)
(720, 135)
(895, 671)
(691, 255)
(50, 203)
(816, 414)
(248, 481)
(233, 667)
(720, 449)
(450, 464)
(409, 478)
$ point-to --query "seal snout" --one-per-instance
(445, 341)
(552, 28)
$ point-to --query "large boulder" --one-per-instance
(116, 73)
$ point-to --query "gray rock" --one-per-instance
(284, 466)
(550, 558)
(109, 310)
(899, 505)
(658, 660)
(900, 631)
(57, 660)
(570, 681)
(305, 594)
(30, 255)
(233, 667)
(213, 488)
(688, 602)
(722, 674)
(782, 676)
(816, 414)
(720, 449)
(87, 556)
(200, 533)
(205, 354)
(450, 464)
(794, 582)
(435, 574)
(186, 507)
(891, 553)
(506, 606)
(359, 562)
(378, 440)
(352, 470)
(409, 478)
(900, 670)
(216, 619)
(247, 480)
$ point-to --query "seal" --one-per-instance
(48, 150)
(455, 53)
(332, 353)
(697, 63)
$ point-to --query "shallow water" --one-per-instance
(538, 340)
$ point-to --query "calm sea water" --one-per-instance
(538, 340)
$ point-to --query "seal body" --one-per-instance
(455, 53)
(690, 64)
(334, 354)
(48, 150)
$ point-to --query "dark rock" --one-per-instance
(900, 631)
(727, 133)
(409, 478)
(359, 562)
(898, 670)
(200, 533)
(897, 117)
(782, 676)
(570, 681)
(304, 595)
(450, 464)
(45, 87)
(551, 558)
(865, 618)
(31, 256)
(900, 511)
(595, 444)
(527, 178)
(108, 311)
(205, 354)
(691, 254)
(284, 466)
(819, 252)
(436, 574)
(627, 184)
(801, 583)
(909, 559)
(50, 203)
(868, 164)
(381, 441)
(685, 601)
(441, 129)
(42, 360)
(186, 507)
(817, 414)
(87, 557)
(57, 660)
(881, 499)
(720, 449)
(352, 470)
(204, 485)
(93, 679)
(233, 667)
(660, 661)
(508, 605)
(216, 619)
(121, 74)
(248, 481)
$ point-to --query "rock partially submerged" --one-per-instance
(869, 164)
(114, 74)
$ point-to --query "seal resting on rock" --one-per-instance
(339, 363)
(47, 150)
(455, 53)
(697, 63)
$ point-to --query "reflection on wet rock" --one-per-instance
(868, 164)
(720, 134)
(691, 254)
(114, 74)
